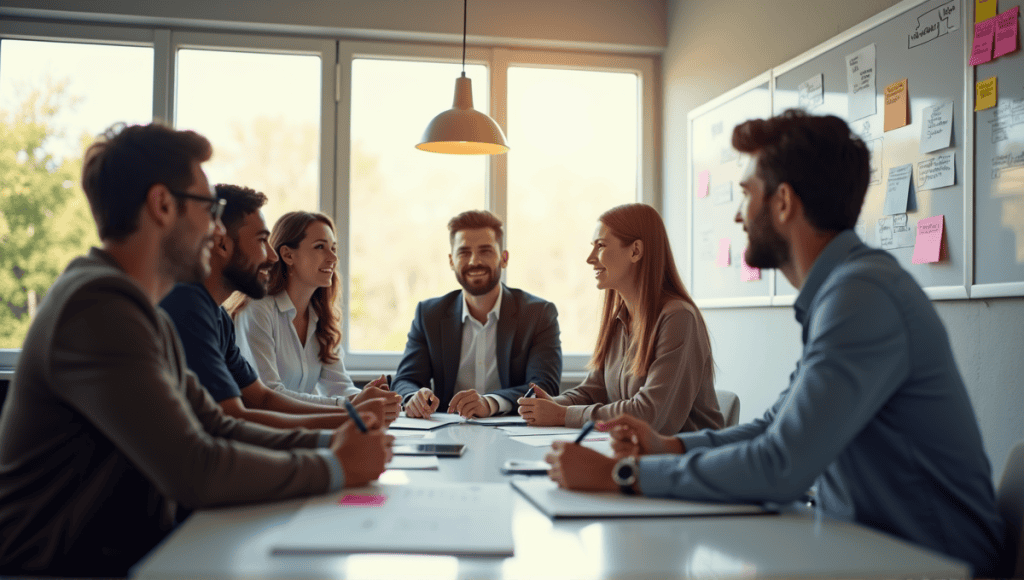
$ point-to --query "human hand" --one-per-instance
(579, 468)
(542, 410)
(633, 436)
(470, 404)
(372, 406)
(422, 404)
(392, 401)
(362, 455)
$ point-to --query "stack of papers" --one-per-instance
(458, 519)
(435, 421)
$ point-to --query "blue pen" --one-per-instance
(587, 428)
(354, 415)
(530, 393)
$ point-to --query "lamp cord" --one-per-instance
(465, 4)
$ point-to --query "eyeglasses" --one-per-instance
(216, 204)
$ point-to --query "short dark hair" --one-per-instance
(827, 166)
(241, 201)
(126, 161)
(473, 219)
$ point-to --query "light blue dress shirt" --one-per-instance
(876, 415)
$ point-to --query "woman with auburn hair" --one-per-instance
(293, 336)
(653, 355)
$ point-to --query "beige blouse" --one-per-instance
(676, 395)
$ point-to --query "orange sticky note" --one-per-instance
(750, 274)
(929, 240)
(723, 253)
(985, 9)
(986, 94)
(897, 105)
(702, 184)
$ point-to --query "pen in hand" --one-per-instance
(530, 393)
(354, 415)
(587, 428)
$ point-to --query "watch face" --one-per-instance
(624, 473)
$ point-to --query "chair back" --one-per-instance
(729, 404)
(1010, 498)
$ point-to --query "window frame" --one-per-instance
(337, 55)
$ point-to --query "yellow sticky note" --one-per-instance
(897, 106)
(985, 98)
(985, 9)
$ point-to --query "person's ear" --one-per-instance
(286, 255)
(504, 259)
(637, 251)
(451, 262)
(785, 203)
(223, 245)
(160, 205)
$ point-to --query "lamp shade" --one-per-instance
(463, 130)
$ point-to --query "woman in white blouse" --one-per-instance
(293, 336)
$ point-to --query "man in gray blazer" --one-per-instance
(475, 351)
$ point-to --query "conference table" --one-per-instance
(797, 541)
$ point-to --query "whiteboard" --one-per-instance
(999, 178)
(714, 283)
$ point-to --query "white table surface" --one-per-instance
(236, 542)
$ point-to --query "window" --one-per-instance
(55, 97)
(401, 198)
(261, 112)
(575, 156)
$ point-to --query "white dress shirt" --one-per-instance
(267, 339)
(478, 361)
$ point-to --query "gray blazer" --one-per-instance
(528, 348)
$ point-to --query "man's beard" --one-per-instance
(482, 288)
(242, 277)
(185, 265)
(765, 248)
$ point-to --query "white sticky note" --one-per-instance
(897, 190)
(722, 194)
(860, 83)
(937, 127)
(936, 172)
(812, 93)
(883, 233)
(903, 232)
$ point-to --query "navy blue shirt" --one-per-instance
(208, 337)
(876, 415)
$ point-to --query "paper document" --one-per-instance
(599, 442)
(459, 519)
(521, 431)
(435, 421)
(413, 462)
(555, 502)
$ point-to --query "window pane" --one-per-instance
(401, 198)
(261, 112)
(574, 155)
(55, 97)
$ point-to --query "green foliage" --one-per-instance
(44, 215)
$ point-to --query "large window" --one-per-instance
(331, 125)
(55, 97)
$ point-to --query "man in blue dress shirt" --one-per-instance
(876, 415)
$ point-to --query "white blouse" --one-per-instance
(267, 339)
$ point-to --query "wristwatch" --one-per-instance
(624, 474)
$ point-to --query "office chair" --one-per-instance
(729, 404)
(1010, 498)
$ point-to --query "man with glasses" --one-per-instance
(240, 261)
(105, 433)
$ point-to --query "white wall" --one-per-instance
(613, 25)
(713, 50)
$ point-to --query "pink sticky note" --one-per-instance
(702, 184)
(1006, 32)
(929, 240)
(984, 35)
(723, 253)
(363, 500)
(750, 274)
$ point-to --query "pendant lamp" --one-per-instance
(462, 130)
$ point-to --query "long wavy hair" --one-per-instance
(289, 231)
(656, 279)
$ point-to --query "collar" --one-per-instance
(495, 312)
(834, 254)
(284, 305)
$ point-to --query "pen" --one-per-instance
(530, 393)
(587, 428)
(388, 378)
(354, 415)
